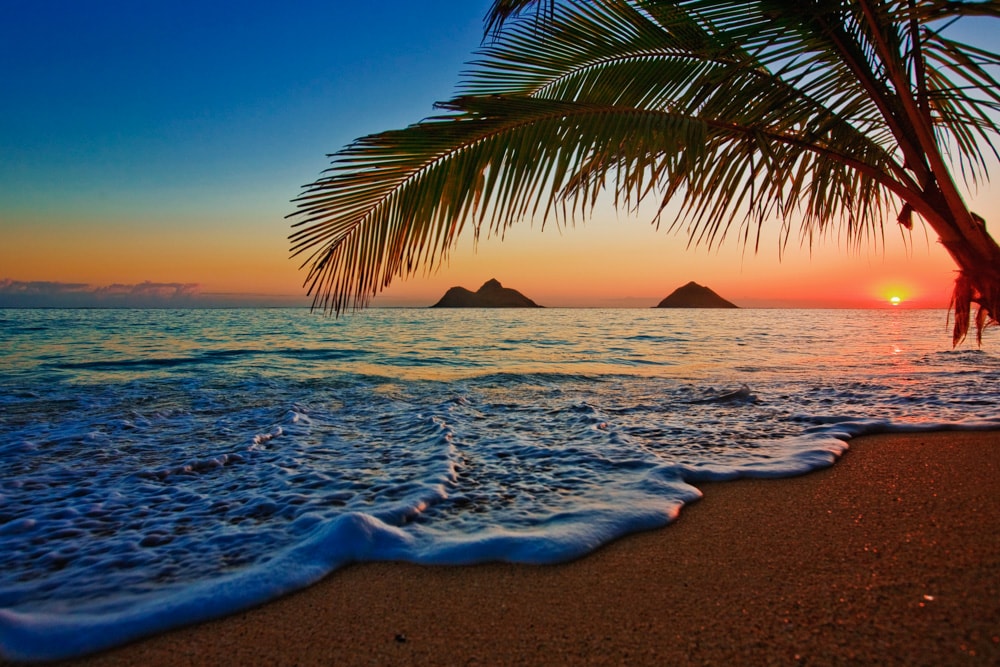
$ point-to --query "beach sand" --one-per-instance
(892, 556)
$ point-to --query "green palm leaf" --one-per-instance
(819, 111)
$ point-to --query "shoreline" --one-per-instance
(890, 555)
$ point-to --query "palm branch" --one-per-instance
(823, 112)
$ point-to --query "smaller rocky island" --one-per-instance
(491, 295)
(694, 295)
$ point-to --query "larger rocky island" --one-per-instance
(694, 295)
(491, 295)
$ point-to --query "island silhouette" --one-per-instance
(694, 295)
(491, 295)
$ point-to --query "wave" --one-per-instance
(358, 536)
(213, 357)
(741, 395)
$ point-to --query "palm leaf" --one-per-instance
(743, 113)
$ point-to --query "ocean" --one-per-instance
(163, 467)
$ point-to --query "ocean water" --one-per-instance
(162, 467)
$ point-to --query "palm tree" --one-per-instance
(846, 113)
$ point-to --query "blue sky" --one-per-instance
(115, 103)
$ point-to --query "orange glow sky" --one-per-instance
(119, 181)
(603, 262)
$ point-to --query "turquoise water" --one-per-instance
(167, 466)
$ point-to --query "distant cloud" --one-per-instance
(147, 294)
(48, 294)
(151, 290)
(39, 287)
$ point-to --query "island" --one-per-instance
(694, 295)
(491, 295)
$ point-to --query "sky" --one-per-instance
(151, 150)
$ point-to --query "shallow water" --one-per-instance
(162, 467)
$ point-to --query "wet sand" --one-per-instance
(892, 556)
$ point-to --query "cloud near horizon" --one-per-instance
(150, 289)
(147, 294)
(52, 294)
(39, 287)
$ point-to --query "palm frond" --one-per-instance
(740, 112)
(503, 10)
(398, 200)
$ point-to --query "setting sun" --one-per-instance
(895, 300)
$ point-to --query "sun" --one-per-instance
(895, 300)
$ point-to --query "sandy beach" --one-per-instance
(892, 556)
